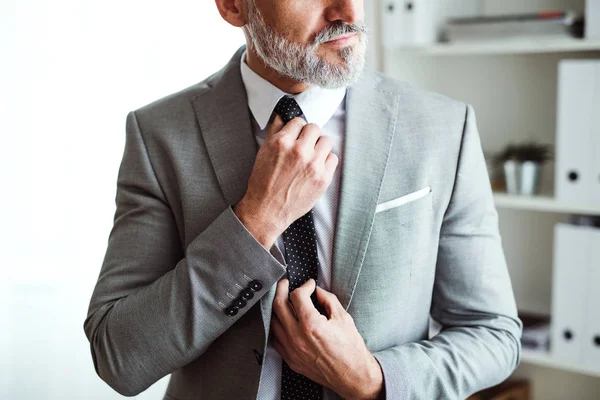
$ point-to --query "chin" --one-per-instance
(334, 55)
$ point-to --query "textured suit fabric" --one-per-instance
(177, 252)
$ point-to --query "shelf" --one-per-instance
(544, 359)
(512, 46)
(543, 203)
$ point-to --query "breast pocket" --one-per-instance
(402, 238)
(402, 243)
(403, 200)
(404, 210)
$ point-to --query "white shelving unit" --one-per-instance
(518, 46)
(544, 203)
(545, 359)
(512, 86)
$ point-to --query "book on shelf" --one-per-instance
(536, 331)
(542, 25)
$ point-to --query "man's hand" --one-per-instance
(293, 168)
(327, 349)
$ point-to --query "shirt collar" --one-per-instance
(318, 104)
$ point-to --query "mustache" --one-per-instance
(337, 29)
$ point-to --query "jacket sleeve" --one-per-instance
(156, 306)
(473, 300)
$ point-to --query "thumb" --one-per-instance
(275, 127)
(330, 302)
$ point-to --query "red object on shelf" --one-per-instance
(550, 14)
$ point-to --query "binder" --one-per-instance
(395, 20)
(595, 156)
(591, 336)
(569, 291)
(592, 19)
(413, 23)
(577, 177)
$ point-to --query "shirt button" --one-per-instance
(247, 294)
(239, 302)
(231, 311)
(255, 285)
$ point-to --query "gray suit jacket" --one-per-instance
(177, 254)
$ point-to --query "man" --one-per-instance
(286, 228)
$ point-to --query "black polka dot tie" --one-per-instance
(288, 109)
(300, 242)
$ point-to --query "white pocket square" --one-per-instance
(403, 200)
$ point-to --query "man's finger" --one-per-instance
(280, 348)
(274, 127)
(294, 127)
(278, 330)
(291, 129)
(281, 304)
(300, 298)
(330, 303)
(310, 134)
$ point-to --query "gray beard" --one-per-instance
(301, 63)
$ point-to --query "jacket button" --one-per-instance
(231, 311)
(239, 302)
(247, 294)
(255, 285)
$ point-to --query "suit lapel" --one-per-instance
(225, 125)
(370, 125)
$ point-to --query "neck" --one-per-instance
(286, 84)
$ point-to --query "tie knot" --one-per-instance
(287, 108)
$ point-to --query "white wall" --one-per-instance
(70, 71)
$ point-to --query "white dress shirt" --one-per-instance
(326, 108)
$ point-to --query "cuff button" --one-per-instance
(247, 294)
(255, 285)
(239, 302)
(231, 311)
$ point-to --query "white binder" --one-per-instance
(577, 178)
(591, 336)
(595, 156)
(413, 23)
(592, 19)
(395, 20)
(569, 291)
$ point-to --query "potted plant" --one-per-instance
(522, 166)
